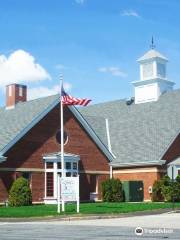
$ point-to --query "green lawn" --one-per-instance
(85, 208)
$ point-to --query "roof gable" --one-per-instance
(15, 123)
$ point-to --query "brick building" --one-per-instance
(134, 140)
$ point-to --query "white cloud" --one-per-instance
(80, 1)
(115, 71)
(130, 13)
(41, 91)
(20, 66)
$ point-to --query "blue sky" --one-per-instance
(95, 43)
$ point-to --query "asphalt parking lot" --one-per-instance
(162, 226)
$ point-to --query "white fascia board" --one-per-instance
(151, 163)
(28, 127)
(91, 132)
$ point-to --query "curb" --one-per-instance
(87, 217)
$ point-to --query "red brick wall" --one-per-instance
(148, 179)
(27, 153)
(37, 183)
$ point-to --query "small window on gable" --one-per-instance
(20, 91)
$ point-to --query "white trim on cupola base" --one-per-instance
(151, 89)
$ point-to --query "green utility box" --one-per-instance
(133, 191)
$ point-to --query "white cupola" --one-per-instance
(153, 81)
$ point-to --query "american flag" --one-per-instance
(69, 100)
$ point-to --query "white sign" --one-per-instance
(69, 189)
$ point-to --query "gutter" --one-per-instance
(130, 164)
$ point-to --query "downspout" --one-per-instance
(109, 144)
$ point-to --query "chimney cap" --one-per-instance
(16, 84)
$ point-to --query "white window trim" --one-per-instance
(55, 172)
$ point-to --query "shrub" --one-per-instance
(157, 195)
(166, 190)
(20, 193)
(112, 190)
(177, 189)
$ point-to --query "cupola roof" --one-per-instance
(152, 54)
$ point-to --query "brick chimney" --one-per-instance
(15, 93)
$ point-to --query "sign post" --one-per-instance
(68, 190)
(171, 174)
(58, 195)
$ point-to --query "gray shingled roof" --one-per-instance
(138, 132)
(12, 121)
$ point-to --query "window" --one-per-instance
(68, 174)
(59, 165)
(58, 137)
(49, 165)
(161, 70)
(74, 174)
(147, 70)
(20, 91)
(68, 165)
(49, 184)
(74, 165)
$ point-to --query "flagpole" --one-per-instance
(62, 141)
